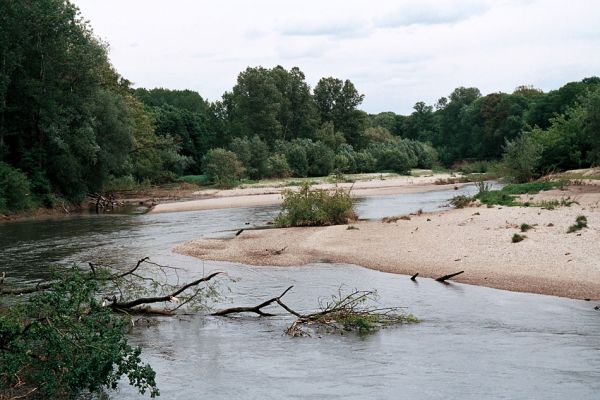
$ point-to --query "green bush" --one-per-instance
(15, 194)
(222, 167)
(521, 159)
(62, 342)
(526, 227)
(516, 238)
(307, 207)
(253, 153)
(199, 180)
(297, 159)
(277, 166)
(506, 195)
(580, 223)
(320, 159)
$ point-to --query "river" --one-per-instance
(473, 342)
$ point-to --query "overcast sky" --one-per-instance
(396, 52)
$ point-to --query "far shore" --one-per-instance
(272, 195)
(475, 239)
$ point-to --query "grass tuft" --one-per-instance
(580, 223)
(516, 238)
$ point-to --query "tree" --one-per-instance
(337, 102)
(253, 153)
(57, 91)
(222, 167)
(63, 341)
(271, 103)
(521, 158)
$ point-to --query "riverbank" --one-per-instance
(270, 194)
(475, 239)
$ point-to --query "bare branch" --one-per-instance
(256, 309)
(160, 299)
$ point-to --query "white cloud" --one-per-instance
(396, 52)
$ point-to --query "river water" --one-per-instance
(472, 343)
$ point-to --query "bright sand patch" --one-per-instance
(475, 239)
(269, 195)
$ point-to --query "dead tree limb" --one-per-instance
(160, 299)
(131, 271)
(446, 277)
(257, 309)
(25, 290)
(414, 277)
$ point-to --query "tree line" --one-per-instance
(70, 125)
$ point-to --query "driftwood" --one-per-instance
(103, 201)
(256, 309)
(343, 313)
(160, 299)
(137, 283)
(446, 277)
(24, 290)
(414, 277)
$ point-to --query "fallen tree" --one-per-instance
(67, 335)
(342, 313)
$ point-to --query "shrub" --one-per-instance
(525, 227)
(580, 223)
(62, 341)
(308, 207)
(516, 238)
(14, 189)
(365, 162)
(320, 159)
(461, 201)
(505, 196)
(253, 153)
(277, 166)
(199, 180)
(521, 159)
(297, 159)
(222, 167)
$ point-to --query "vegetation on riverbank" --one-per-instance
(61, 342)
(70, 125)
(315, 207)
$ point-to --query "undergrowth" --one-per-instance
(315, 207)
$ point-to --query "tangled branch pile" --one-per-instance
(341, 313)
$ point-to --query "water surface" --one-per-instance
(472, 343)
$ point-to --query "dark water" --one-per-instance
(472, 343)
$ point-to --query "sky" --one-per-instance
(395, 52)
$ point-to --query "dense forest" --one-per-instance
(70, 125)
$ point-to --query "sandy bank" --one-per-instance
(270, 195)
(476, 240)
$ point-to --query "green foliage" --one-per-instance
(297, 159)
(521, 159)
(62, 341)
(312, 207)
(277, 166)
(580, 223)
(222, 167)
(200, 180)
(516, 238)
(72, 125)
(496, 197)
(253, 153)
(396, 156)
(15, 192)
(525, 227)
(506, 195)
